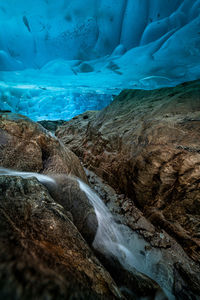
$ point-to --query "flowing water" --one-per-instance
(41, 178)
(117, 240)
(125, 245)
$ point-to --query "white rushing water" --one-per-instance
(113, 239)
(41, 178)
(117, 240)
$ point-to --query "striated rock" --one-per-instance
(76, 206)
(42, 254)
(132, 282)
(184, 274)
(127, 213)
(74, 132)
(27, 146)
(186, 280)
(146, 145)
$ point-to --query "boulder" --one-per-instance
(67, 193)
(27, 146)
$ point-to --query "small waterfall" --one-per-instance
(107, 233)
(109, 238)
(113, 239)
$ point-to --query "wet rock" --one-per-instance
(186, 285)
(27, 146)
(68, 193)
(146, 146)
(184, 272)
(51, 125)
(134, 285)
(42, 254)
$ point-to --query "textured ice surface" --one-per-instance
(50, 103)
(95, 46)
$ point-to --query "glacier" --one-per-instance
(61, 58)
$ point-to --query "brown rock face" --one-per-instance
(183, 272)
(34, 149)
(146, 145)
(42, 254)
(27, 146)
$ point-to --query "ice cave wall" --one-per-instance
(59, 58)
(33, 33)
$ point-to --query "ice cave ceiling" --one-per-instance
(101, 46)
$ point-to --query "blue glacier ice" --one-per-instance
(60, 58)
(51, 103)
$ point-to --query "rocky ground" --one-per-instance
(184, 272)
(146, 145)
(46, 228)
(142, 156)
